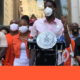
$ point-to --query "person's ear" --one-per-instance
(55, 9)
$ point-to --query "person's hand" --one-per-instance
(65, 25)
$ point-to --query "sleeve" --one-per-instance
(34, 32)
(77, 52)
(77, 48)
(61, 30)
(3, 41)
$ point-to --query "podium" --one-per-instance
(46, 57)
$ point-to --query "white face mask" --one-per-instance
(14, 27)
(48, 11)
(23, 29)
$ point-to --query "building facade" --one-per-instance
(14, 9)
(1, 11)
(36, 7)
(29, 7)
(75, 11)
(71, 8)
(10, 10)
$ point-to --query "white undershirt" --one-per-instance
(23, 60)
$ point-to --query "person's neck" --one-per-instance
(50, 19)
(25, 34)
(25, 25)
(14, 33)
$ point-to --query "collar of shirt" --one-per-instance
(53, 22)
(18, 37)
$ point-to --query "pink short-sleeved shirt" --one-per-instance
(41, 25)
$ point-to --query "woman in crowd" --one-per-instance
(32, 19)
(21, 56)
(13, 32)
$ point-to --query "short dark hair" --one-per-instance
(51, 1)
(76, 25)
(5, 28)
(25, 17)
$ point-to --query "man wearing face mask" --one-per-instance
(49, 23)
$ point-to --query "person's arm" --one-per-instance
(3, 44)
(66, 35)
(2, 52)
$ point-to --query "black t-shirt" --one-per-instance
(77, 47)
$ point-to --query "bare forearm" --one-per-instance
(66, 35)
(67, 39)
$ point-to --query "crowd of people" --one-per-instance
(14, 50)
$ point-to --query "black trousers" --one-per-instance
(46, 58)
